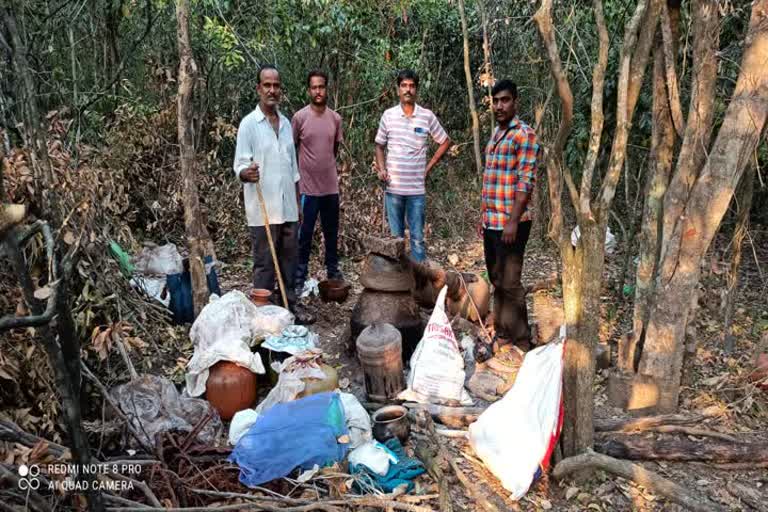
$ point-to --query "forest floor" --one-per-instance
(717, 380)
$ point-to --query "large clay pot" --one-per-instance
(479, 291)
(314, 386)
(396, 308)
(230, 388)
(386, 275)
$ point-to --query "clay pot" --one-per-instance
(479, 291)
(314, 386)
(391, 421)
(386, 275)
(334, 290)
(397, 308)
(230, 388)
(260, 296)
(759, 375)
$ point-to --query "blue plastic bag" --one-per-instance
(291, 435)
(180, 288)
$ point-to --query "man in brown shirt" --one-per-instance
(317, 133)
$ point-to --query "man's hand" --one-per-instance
(509, 235)
(382, 173)
(479, 229)
(251, 173)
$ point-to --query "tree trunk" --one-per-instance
(702, 210)
(197, 234)
(470, 90)
(660, 166)
(487, 62)
(582, 283)
(743, 206)
(636, 447)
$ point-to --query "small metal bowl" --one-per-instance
(391, 421)
(334, 290)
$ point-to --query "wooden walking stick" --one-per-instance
(272, 245)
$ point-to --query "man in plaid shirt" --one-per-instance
(508, 180)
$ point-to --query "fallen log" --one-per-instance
(485, 502)
(645, 423)
(681, 449)
(11, 432)
(753, 498)
(638, 474)
(434, 457)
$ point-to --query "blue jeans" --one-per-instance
(411, 209)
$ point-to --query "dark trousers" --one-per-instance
(327, 208)
(505, 265)
(284, 238)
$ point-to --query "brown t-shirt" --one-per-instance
(315, 135)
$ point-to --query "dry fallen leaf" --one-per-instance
(69, 238)
(571, 492)
(43, 293)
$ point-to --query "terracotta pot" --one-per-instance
(260, 296)
(391, 421)
(334, 290)
(230, 388)
(759, 374)
(386, 275)
(479, 291)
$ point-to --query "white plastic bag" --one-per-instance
(373, 455)
(233, 314)
(437, 366)
(610, 239)
(516, 435)
(159, 260)
(358, 420)
(241, 422)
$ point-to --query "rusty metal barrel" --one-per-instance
(379, 348)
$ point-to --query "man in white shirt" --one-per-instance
(265, 156)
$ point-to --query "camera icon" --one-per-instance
(29, 480)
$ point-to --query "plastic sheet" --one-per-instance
(153, 405)
(292, 435)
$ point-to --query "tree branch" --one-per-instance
(636, 473)
(673, 90)
(623, 121)
(555, 171)
(598, 118)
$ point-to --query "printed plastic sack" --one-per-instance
(290, 435)
(437, 366)
(515, 436)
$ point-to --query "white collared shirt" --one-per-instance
(278, 169)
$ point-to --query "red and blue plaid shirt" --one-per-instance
(510, 166)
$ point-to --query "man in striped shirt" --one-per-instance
(508, 180)
(401, 160)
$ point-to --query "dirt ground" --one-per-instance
(717, 380)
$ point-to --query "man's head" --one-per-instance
(504, 95)
(317, 83)
(407, 85)
(268, 86)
